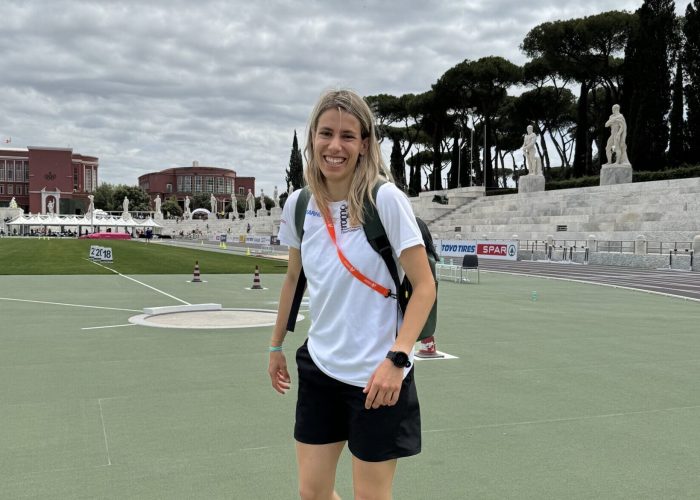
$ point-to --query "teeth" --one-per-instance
(334, 161)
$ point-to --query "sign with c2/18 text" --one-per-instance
(103, 254)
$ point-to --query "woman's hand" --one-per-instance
(384, 386)
(277, 369)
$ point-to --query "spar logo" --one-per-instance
(497, 249)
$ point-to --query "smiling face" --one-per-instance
(338, 144)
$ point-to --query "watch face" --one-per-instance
(400, 359)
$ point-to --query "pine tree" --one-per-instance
(691, 65)
(398, 165)
(676, 144)
(295, 173)
(647, 85)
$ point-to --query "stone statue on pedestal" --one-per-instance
(620, 170)
(213, 203)
(530, 152)
(250, 201)
(275, 198)
(186, 214)
(125, 205)
(618, 137)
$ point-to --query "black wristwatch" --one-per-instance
(400, 359)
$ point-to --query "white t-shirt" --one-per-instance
(352, 326)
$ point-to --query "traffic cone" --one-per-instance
(195, 277)
(256, 280)
(428, 349)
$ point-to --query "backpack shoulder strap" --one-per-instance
(376, 234)
(300, 210)
(373, 225)
(299, 216)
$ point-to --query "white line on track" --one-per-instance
(588, 282)
(107, 326)
(104, 432)
(71, 305)
(559, 420)
(140, 283)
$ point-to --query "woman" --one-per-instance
(349, 390)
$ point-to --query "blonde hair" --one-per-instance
(370, 166)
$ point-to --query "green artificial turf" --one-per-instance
(589, 392)
(20, 256)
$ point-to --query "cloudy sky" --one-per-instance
(147, 85)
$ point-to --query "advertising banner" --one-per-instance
(257, 240)
(487, 249)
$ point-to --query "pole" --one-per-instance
(471, 156)
(459, 160)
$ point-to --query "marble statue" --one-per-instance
(13, 203)
(262, 200)
(212, 202)
(157, 204)
(125, 204)
(187, 204)
(618, 136)
(530, 151)
(91, 206)
(250, 201)
(275, 198)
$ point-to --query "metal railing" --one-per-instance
(611, 246)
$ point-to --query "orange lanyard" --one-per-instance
(386, 292)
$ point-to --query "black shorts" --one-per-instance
(329, 411)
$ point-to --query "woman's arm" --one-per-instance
(277, 368)
(414, 261)
(384, 386)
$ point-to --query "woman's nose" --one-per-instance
(335, 143)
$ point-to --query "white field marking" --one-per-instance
(558, 420)
(140, 282)
(255, 449)
(443, 357)
(108, 326)
(70, 305)
(609, 285)
(66, 469)
(104, 432)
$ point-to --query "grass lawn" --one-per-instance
(70, 256)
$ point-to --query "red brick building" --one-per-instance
(190, 181)
(40, 177)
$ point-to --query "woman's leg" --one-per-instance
(373, 480)
(317, 464)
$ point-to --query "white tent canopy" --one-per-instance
(74, 221)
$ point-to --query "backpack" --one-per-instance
(378, 240)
